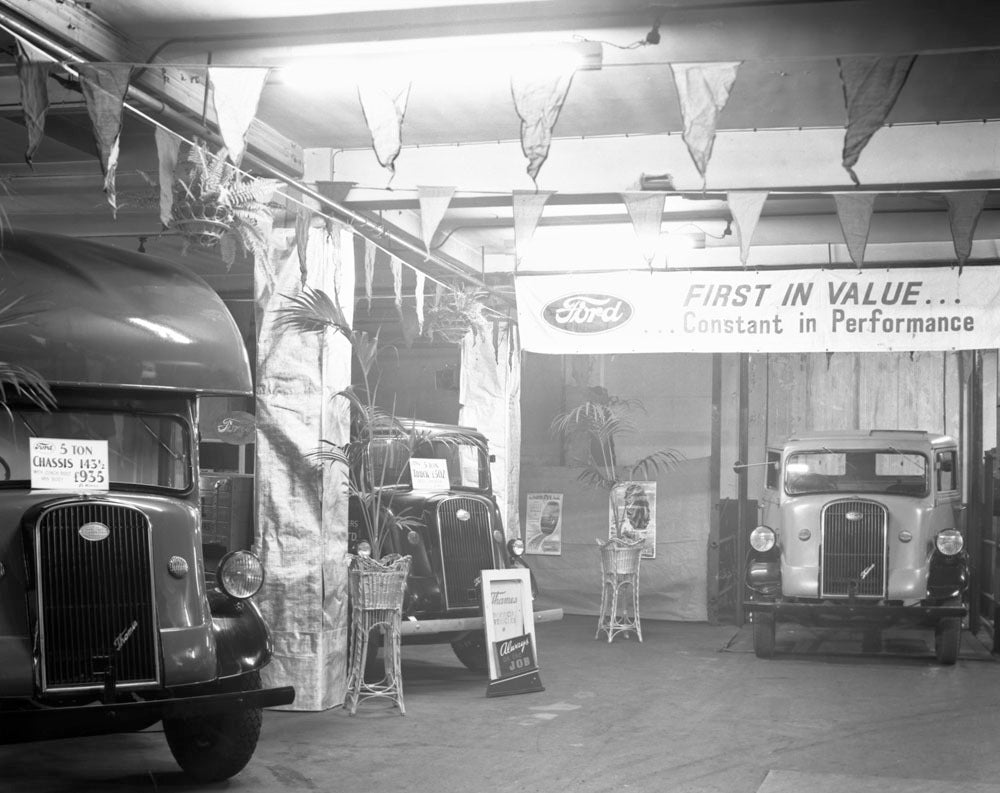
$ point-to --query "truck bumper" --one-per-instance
(854, 612)
(415, 627)
(20, 726)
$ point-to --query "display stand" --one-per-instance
(620, 588)
(376, 593)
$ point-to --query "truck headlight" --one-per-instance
(949, 542)
(515, 547)
(762, 539)
(241, 574)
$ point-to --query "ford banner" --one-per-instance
(886, 310)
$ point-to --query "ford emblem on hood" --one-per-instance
(94, 532)
(587, 313)
(854, 516)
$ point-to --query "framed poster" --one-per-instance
(636, 502)
(510, 632)
(543, 524)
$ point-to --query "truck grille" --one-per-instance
(466, 548)
(91, 592)
(853, 560)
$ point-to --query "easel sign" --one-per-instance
(510, 632)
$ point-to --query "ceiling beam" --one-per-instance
(70, 31)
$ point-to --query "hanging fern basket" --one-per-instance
(203, 223)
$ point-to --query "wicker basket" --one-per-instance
(621, 558)
(378, 585)
(204, 224)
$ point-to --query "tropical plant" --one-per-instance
(602, 418)
(215, 203)
(377, 456)
(16, 380)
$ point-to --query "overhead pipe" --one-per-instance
(63, 55)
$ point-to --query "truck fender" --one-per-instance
(242, 640)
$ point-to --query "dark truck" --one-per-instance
(109, 620)
(457, 534)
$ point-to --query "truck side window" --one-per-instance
(773, 469)
(947, 471)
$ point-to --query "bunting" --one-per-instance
(33, 76)
(538, 99)
(854, 210)
(104, 88)
(964, 209)
(236, 94)
(871, 87)
(745, 209)
(646, 211)
(167, 151)
(527, 206)
(397, 282)
(369, 270)
(418, 293)
(703, 90)
(434, 203)
(384, 108)
(303, 220)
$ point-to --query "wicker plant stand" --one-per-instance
(620, 588)
(376, 593)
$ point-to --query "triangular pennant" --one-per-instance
(745, 209)
(236, 92)
(527, 206)
(855, 213)
(397, 282)
(871, 87)
(538, 98)
(434, 203)
(964, 209)
(104, 88)
(438, 294)
(33, 71)
(418, 294)
(703, 90)
(646, 211)
(369, 270)
(384, 107)
(303, 220)
(168, 148)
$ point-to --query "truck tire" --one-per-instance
(471, 651)
(763, 635)
(948, 640)
(212, 747)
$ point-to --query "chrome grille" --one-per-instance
(466, 548)
(90, 593)
(853, 562)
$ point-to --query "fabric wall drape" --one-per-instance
(490, 397)
(301, 507)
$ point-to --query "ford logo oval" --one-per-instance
(854, 516)
(588, 313)
(463, 515)
(94, 532)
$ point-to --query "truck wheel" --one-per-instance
(763, 635)
(948, 640)
(215, 746)
(471, 651)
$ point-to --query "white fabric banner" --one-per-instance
(905, 309)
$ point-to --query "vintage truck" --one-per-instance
(458, 533)
(109, 620)
(862, 530)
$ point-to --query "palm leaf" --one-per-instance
(25, 383)
(312, 311)
(652, 465)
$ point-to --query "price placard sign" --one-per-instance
(510, 632)
(68, 464)
(428, 473)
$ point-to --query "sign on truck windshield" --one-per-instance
(93, 449)
(389, 464)
(884, 471)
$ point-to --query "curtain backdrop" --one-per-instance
(302, 508)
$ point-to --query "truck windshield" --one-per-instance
(884, 471)
(144, 450)
(465, 464)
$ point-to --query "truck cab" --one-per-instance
(108, 621)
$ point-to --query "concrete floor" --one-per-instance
(690, 709)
